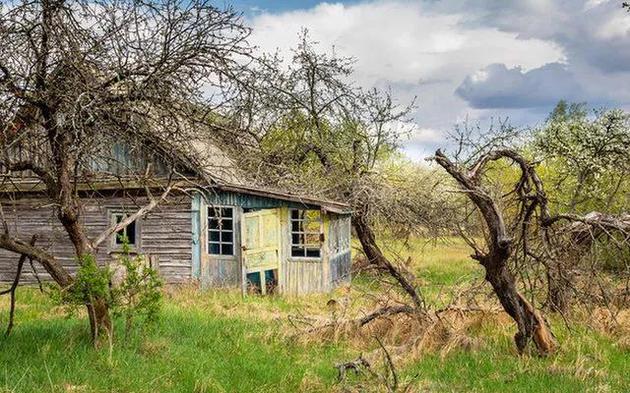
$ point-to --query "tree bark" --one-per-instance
(529, 323)
(50, 264)
(100, 320)
(375, 256)
(13, 288)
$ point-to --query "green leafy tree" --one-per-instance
(586, 164)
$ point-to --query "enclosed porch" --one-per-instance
(265, 244)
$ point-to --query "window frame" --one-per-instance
(115, 246)
(220, 231)
(319, 233)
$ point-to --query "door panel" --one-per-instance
(261, 249)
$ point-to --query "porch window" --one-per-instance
(128, 233)
(305, 233)
(220, 230)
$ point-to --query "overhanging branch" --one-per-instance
(153, 202)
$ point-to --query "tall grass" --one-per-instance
(216, 341)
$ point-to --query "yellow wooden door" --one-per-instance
(261, 250)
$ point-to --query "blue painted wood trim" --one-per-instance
(196, 235)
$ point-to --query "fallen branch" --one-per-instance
(384, 312)
(356, 365)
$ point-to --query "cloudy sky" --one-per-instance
(466, 59)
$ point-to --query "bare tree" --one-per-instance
(77, 76)
(312, 130)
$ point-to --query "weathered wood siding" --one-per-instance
(340, 251)
(228, 198)
(296, 275)
(122, 158)
(165, 233)
(312, 275)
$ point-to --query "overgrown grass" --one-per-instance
(219, 342)
(192, 349)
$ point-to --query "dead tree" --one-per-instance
(500, 247)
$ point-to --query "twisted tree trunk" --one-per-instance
(375, 255)
(530, 324)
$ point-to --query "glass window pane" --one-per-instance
(226, 212)
(295, 214)
(226, 224)
(297, 251)
(312, 252)
(296, 238)
(295, 226)
(226, 237)
(213, 223)
(227, 249)
(214, 212)
(213, 248)
(129, 231)
(214, 236)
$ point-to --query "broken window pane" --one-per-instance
(129, 231)
(305, 233)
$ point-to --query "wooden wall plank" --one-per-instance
(166, 233)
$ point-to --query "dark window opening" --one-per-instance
(128, 233)
(305, 233)
(220, 230)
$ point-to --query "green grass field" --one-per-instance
(219, 342)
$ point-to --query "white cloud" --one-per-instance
(402, 41)
(426, 136)
(616, 27)
(428, 49)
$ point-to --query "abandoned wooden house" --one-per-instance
(219, 233)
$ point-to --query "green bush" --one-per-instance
(137, 299)
(139, 296)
